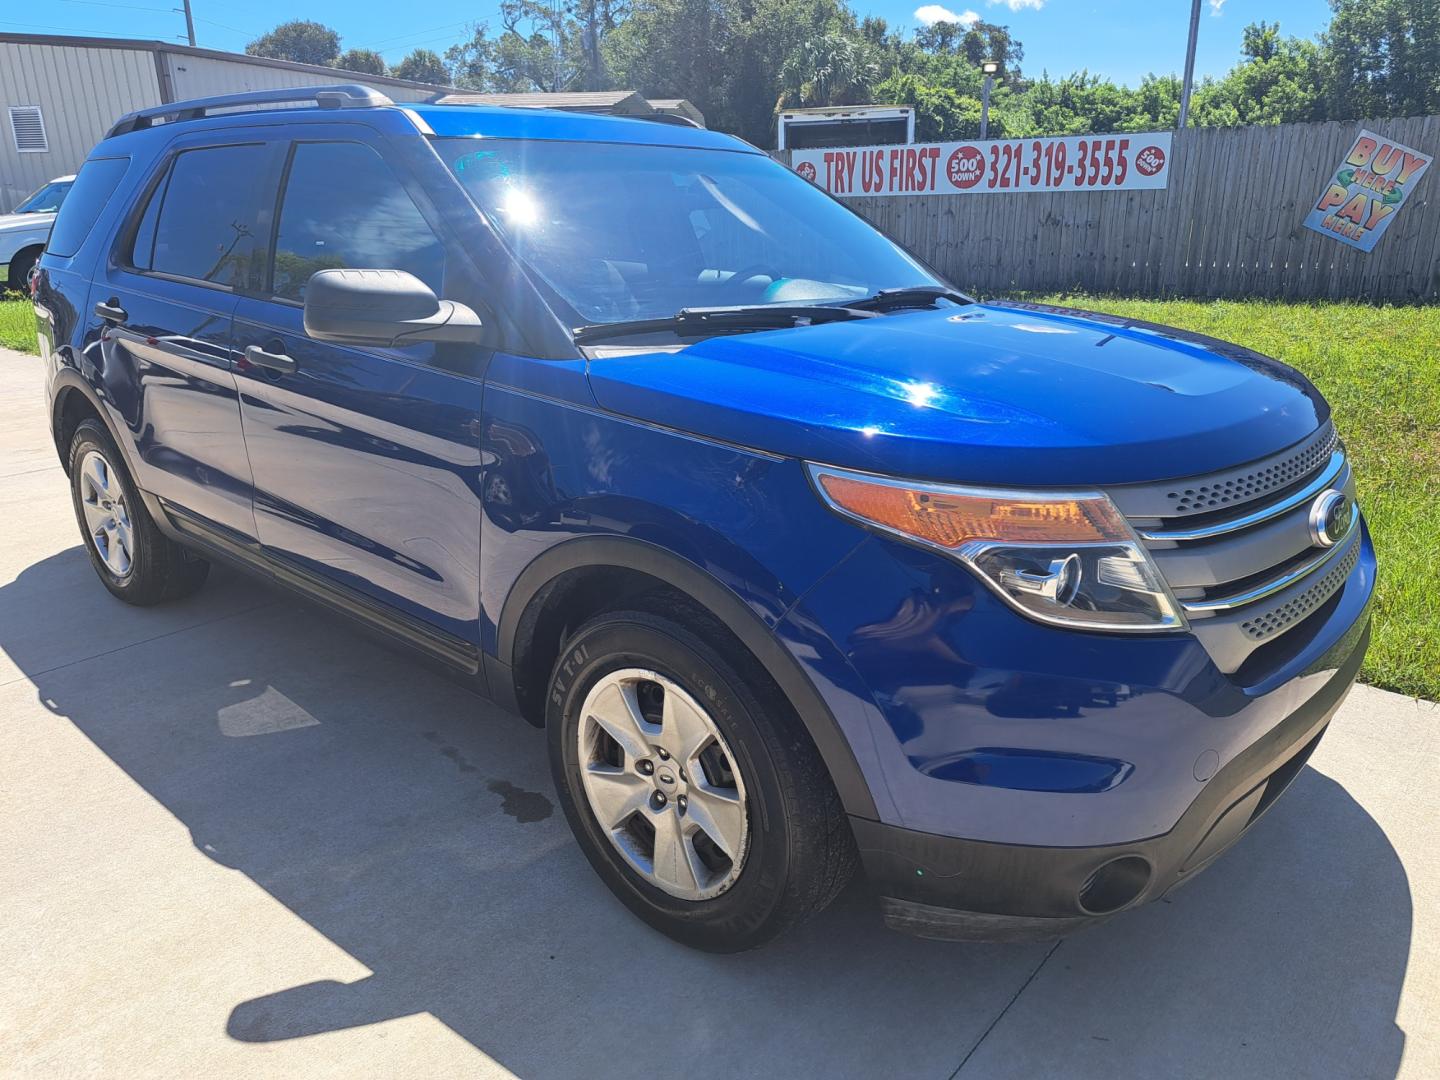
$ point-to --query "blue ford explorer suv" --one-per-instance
(804, 560)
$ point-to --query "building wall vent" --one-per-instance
(27, 126)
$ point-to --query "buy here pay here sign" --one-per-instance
(1071, 163)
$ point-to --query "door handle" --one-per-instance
(274, 361)
(111, 311)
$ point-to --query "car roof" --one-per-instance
(325, 104)
(502, 122)
(458, 121)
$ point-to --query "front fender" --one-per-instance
(740, 532)
(836, 737)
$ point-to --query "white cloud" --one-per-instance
(931, 14)
(1036, 5)
(1215, 6)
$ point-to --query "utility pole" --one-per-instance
(189, 21)
(989, 67)
(1189, 83)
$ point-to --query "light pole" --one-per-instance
(1190, 63)
(990, 67)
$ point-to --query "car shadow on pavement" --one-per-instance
(412, 824)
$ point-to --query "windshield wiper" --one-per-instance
(698, 321)
(914, 296)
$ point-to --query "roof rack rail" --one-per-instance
(336, 96)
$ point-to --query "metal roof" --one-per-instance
(151, 45)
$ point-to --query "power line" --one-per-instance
(68, 29)
(413, 33)
(225, 26)
(413, 45)
(127, 7)
(409, 42)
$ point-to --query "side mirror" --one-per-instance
(385, 308)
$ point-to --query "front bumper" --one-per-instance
(947, 887)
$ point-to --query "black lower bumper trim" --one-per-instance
(948, 924)
(942, 886)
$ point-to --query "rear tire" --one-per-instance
(133, 558)
(738, 880)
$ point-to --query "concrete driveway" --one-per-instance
(239, 839)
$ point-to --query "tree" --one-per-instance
(1278, 81)
(826, 69)
(941, 114)
(470, 62)
(740, 60)
(595, 20)
(690, 49)
(1382, 58)
(302, 41)
(1261, 41)
(539, 48)
(365, 61)
(978, 42)
(797, 52)
(424, 66)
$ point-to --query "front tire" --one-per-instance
(20, 267)
(132, 557)
(690, 784)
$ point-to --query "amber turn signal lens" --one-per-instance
(949, 518)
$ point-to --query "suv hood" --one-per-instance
(995, 393)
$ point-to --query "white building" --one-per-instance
(61, 94)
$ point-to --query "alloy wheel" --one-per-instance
(663, 784)
(107, 518)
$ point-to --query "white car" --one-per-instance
(23, 232)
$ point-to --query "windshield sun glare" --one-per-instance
(619, 233)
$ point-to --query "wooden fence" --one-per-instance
(1228, 225)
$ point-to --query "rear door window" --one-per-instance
(200, 221)
(96, 182)
(344, 207)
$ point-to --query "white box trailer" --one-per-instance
(844, 125)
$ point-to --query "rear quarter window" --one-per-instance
(94, 186)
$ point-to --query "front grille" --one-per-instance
(1226, 489)
(1236, 549)
(1287, 614)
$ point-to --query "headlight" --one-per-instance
(1068, 558)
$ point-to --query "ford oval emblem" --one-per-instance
(1331, 515)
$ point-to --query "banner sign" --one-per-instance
(1367, 190)
(1072, 163)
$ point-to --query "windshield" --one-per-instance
(622, 232)
(47, 200)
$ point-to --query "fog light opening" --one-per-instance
(1114, 885)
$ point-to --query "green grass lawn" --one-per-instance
(17, 323)
(1380, 369)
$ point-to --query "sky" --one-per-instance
(1120, 39)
